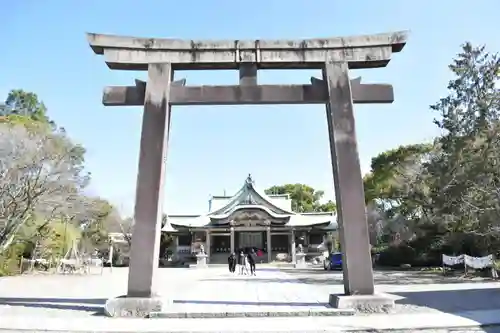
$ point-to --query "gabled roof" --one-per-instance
(250, 198)
(249, 195)
(326, 223)
(177, 220)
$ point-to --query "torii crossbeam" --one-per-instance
(314, 93)
(334, 56)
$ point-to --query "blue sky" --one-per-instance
(212, 149)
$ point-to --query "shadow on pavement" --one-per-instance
(76, 304)
(321, 277)
(452, 301)
(463, 303)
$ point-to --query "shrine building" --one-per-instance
(250, 218)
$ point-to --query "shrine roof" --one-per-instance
(249, 195)
(249, 198)
(324, 222)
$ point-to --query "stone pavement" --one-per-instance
(214, 290)
(184, 290)
(271, 290)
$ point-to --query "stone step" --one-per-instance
(261, 312)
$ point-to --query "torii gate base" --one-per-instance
(160, 57)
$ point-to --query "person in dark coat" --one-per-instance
(235, 261)
(231, 262)
(251, 262)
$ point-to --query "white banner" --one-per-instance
(452, 261)
(479, 262)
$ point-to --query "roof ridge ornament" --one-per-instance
(249, 200)
(249, 180)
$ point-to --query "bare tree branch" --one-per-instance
(39, 176)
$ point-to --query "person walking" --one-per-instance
(251, 262)
(241, 263)
(234, 262)
(231, 262)
(246, 264)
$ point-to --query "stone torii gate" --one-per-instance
(160, 57)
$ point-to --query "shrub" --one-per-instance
(397, 255)
(379, 249)
(10, 259)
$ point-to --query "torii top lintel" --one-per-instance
(131, 53)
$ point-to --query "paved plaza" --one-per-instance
(216, 290)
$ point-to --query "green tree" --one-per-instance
(304, 197)
(99, 218)
(391, 207)
(21, 106)
(42, 177)
(394, 177)
(463, 177)
(328, 206)
(25, 109)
